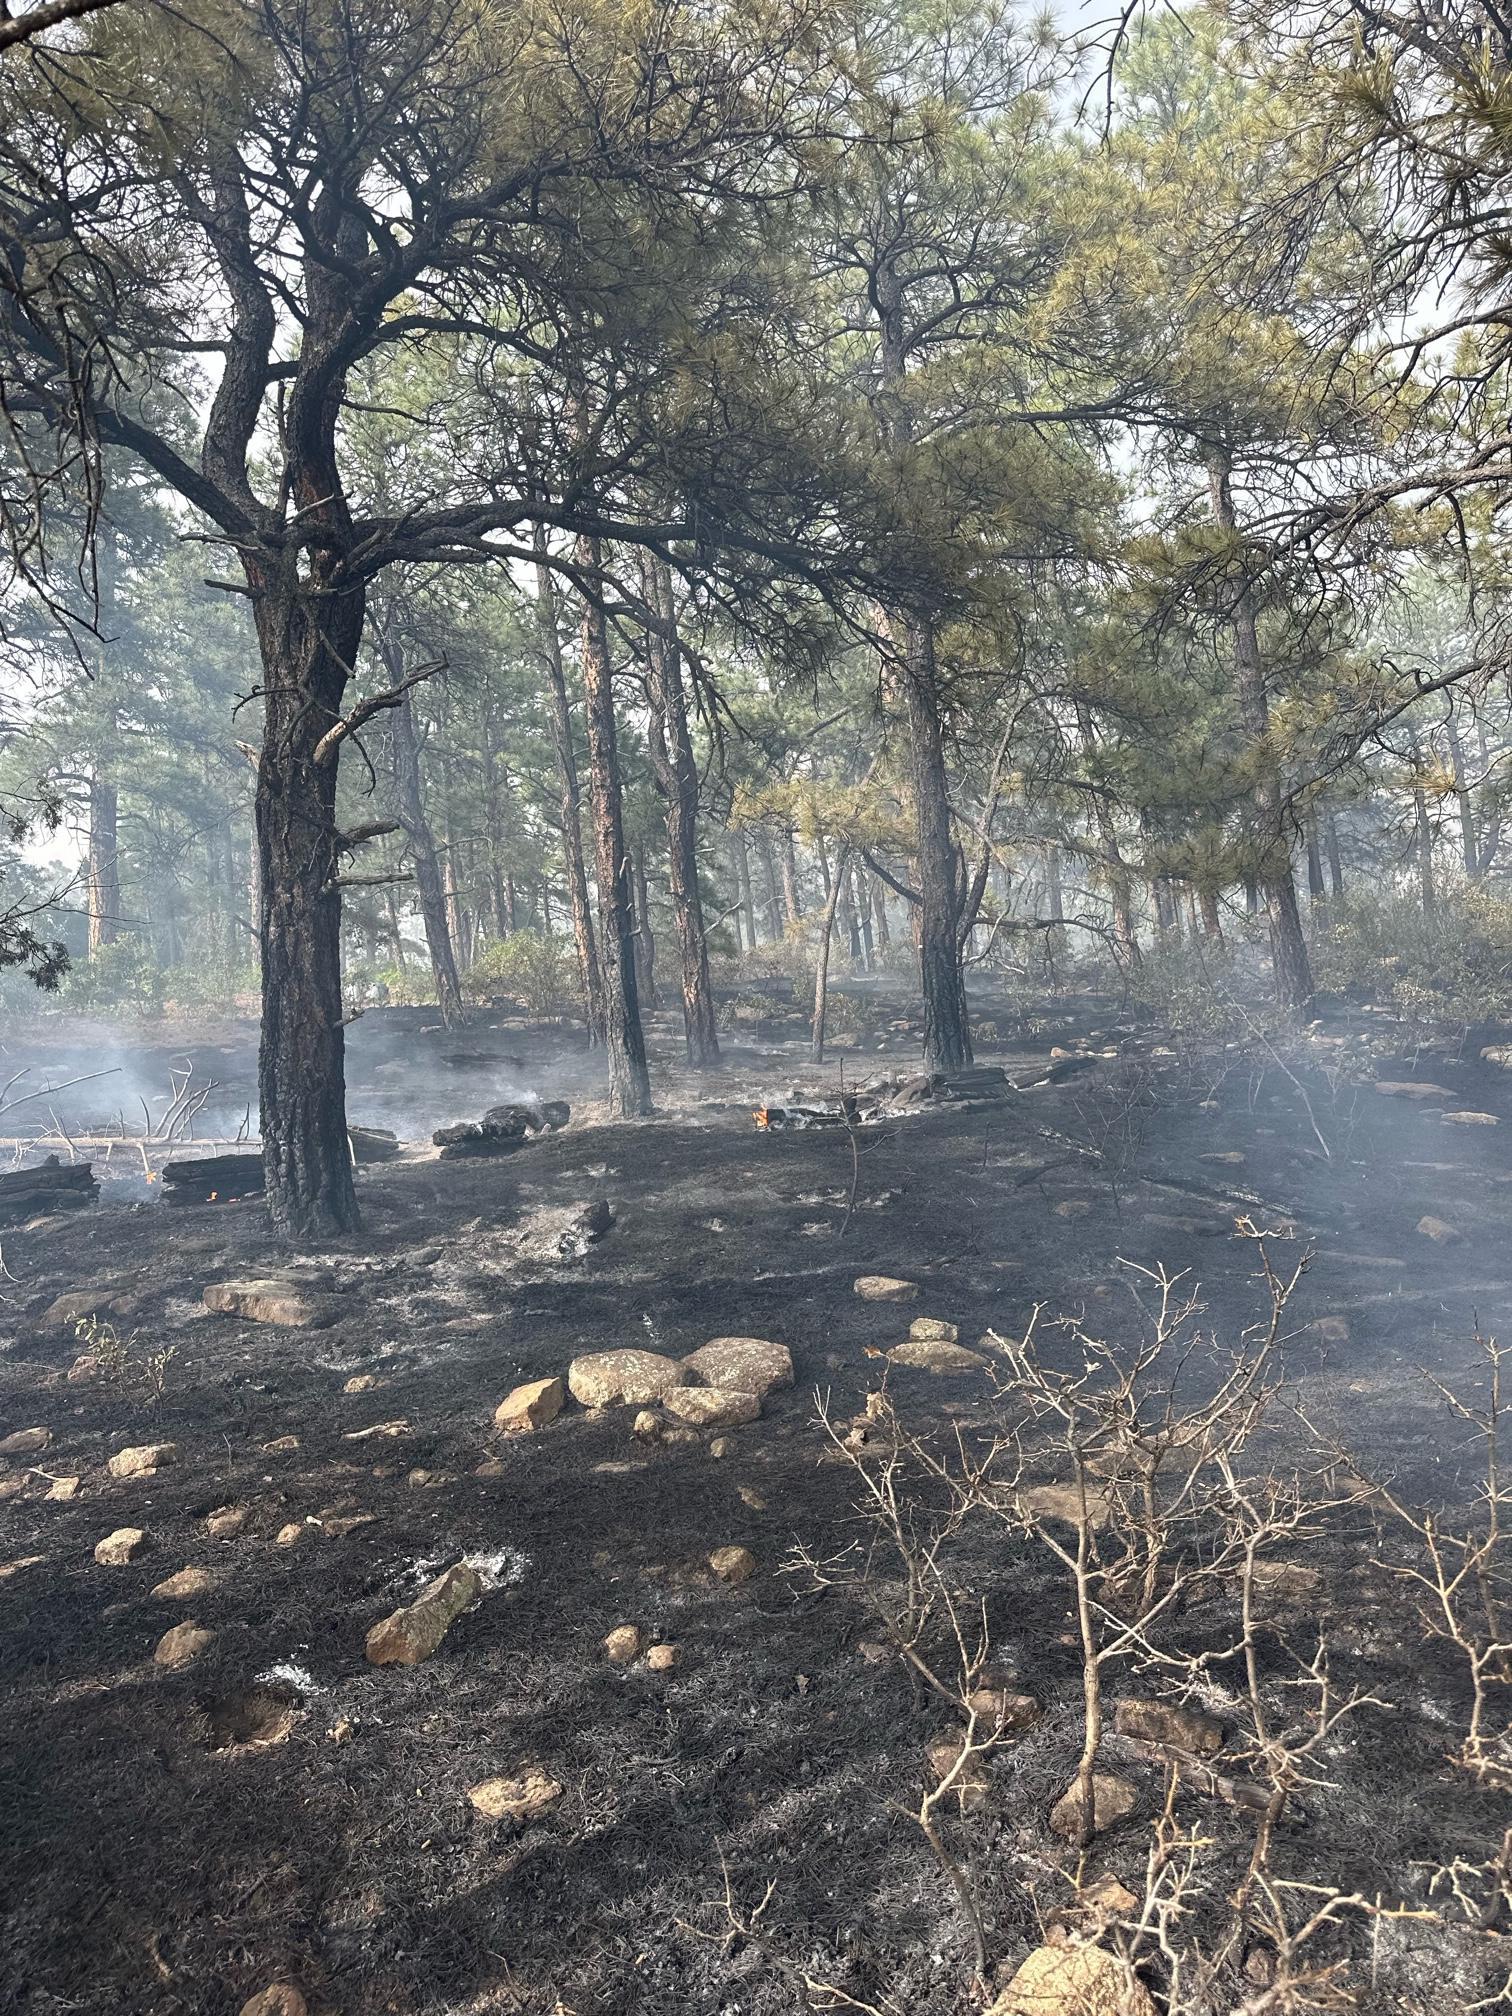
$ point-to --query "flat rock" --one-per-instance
(1499, 1054)
(742, 1365)
(188, 1582)
(287, 1303)
(1465, 1117)
(26, 1442)
(1163, 1722)
(63, 1488)
(74, 1304)
(1438, 1230)
(711, 1407)
(1073, 1981)
(931, 1330)
(124, 1545)
(624, 1378)
(530, 1406)
(733, 1565)
(143, 1459)
(1003, 1708)
(1411, 1088)
(1112, 1800)
(182, 1645)
(523, 1798)
(886, 1288)
(413, 1633)
(969, 1784)
(226, 1521)
(927, 1354)
(1062, 1502)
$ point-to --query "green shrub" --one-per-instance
(539, 972)
(123, 976)
(1453, 966)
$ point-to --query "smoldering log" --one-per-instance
(502, 1130)
(51, 1186)
(373, 1144)
(213, 1179)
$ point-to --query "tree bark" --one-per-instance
(569, 804)
(645, 943)
(629, 1078)
(410, 802)
(104, 895)
(1289, 960)
(677, 775)
(792, 901)
(947, 1030)
(743, 887)
(826, 935)
(1335, 859)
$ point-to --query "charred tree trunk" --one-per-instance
(104, 896)
(308, 640)
(410, 800)
(1289, 960)
(645, 943)
(947, 1032)
(629, 1078)
(768, 862)
(569, 805)
(792, 902)
(743, 888)
(1316, 890)
(826, 937)
(1335, 858)
(677, 775)
(1212, 923)
(1469, 840)
(495, 802)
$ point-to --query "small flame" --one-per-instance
(760, 1115)
(213, 1195)
(151, 1178)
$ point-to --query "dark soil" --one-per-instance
(735, 1831)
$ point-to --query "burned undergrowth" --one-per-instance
(736, 1831)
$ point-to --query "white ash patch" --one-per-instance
(288, 1673)
(500, 1568)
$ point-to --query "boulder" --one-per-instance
(182, 1645)
(711, 1407)
(413, 1633)
(124, 1545)
(530, 1406)
(886, 1288)
(1073, 1981)
(741, 1365)
(624, 1378)
(26, 1442)
(286, 1303)
(188, 1582)
(74, 1304)
(925, 1354)
(143, 1460)
(1163, 1722)
(524, 1798)
(282, 1999)
(623, 1644)
(733, 1565)
(931, 1330)
(1112, 1800)
(1438, 1230)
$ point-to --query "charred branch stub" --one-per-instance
(502, 1130)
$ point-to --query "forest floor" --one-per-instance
(732, 1835)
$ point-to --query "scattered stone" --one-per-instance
(290, 1535)
(711, 1407)
(925, 1354)
(523, 1799)
(489, 1467)
(12, 1487)
(281, 1445)
(187, 1583)
(648, 1425)
(362, 1382)
(1002, 1708)
(143, 1460)
(428, 1480)
(969, 1785)
(886, 1288)
(530, 1406)
(720, 1446)
(1286, 1581)
(873, 1653)
(342, 1730)
(1108, 1898)
(624, 1378)
(413, 1633)
(751, 1497)
(63, 1488)
(226, 1521)
(742, 1365)
(1073, 1207)
(26, 1442)
(1499, 1054)
(733, 1565)
(1162, 1722)
(623, 1644)
(931, 1330)
(1332, 1329)
(117, 1548)
(182, 1645)
(1073, 1981)
(662, 1658)
(282, 1999)
(9, 1568)
(1231, 1158)
(1411, 1088)
(1466, 1118)
(286, 1303)
(1112, 1800)
(1438, 1230)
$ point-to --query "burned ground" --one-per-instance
(280, 1809)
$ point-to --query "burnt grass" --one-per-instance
(174, 1841)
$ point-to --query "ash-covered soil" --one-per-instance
(732, 1837)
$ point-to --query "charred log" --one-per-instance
(51, 1186)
